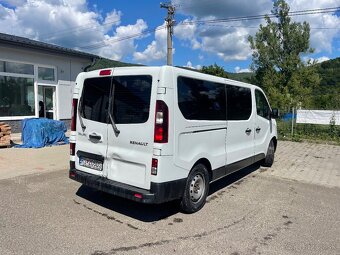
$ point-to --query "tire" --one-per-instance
(196, 189)
(269, 159)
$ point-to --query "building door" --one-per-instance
(47, 102)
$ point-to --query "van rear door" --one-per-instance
(131, 131)
(92, 125)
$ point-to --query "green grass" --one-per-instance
(308, 132)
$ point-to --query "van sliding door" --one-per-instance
(240, 121)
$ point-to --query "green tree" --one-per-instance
(277, 49)
(214, 70)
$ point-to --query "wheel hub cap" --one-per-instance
(197, 187)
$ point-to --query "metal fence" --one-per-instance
(290, 129)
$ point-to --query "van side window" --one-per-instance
(201, 100)
(131, 103)
(262, 107)
(95, 99)
(239, 105)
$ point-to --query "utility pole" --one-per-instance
(170, 29)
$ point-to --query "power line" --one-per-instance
(236, 26)
(214, 21)
(104, 43)
(262, 16)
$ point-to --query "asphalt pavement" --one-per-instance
(254, 211)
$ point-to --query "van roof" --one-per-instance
(174, 68)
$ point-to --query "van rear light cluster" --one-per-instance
(72, 149)
(161, 122)
(73, 124)
(154, 166)
(74, 114)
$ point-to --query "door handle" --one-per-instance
(248, 131)
(258, 129)
(94, 136)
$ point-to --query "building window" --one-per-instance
(16, 96)
(17, 68)
(46, 74)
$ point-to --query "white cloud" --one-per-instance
(156, 50)
(315, 60)
(241, 70)
(228, 40)
(321, 39)
(322, 59)
(228, 46)
(116, 47)
(69, 23)
(189, 65)
(112, 19)
(186, 31)
(222, 8)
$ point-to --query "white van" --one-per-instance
(155, 134)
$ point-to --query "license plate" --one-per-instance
(91, 163)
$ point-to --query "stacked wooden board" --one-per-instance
(5, 135)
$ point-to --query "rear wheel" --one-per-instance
(196, 189)
(269, 159)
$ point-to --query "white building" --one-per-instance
(37, 79)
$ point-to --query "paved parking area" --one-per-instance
(307, 162)
(254, 211)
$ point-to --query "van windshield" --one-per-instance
(131, 102)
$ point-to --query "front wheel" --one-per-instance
(196, 189)
(269, 159)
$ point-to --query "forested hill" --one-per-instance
(329, 72)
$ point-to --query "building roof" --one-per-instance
(28, 43)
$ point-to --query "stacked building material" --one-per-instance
(5, 135)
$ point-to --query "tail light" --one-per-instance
(73, 124)
(72, 149)
(74, 114)
(161, 122)
(154, 166)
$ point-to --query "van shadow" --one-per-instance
(153, 212)
(232, 178)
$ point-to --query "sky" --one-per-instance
(133, 31)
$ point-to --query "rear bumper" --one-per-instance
(159, 192)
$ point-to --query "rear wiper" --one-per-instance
(83, 127)
(113, 124)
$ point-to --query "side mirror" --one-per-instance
(275, 113)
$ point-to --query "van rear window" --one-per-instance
(95, 99)
(131, 103)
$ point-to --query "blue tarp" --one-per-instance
(288, 116)
(37, 133)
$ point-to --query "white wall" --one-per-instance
(64, 99)
(67, 68)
